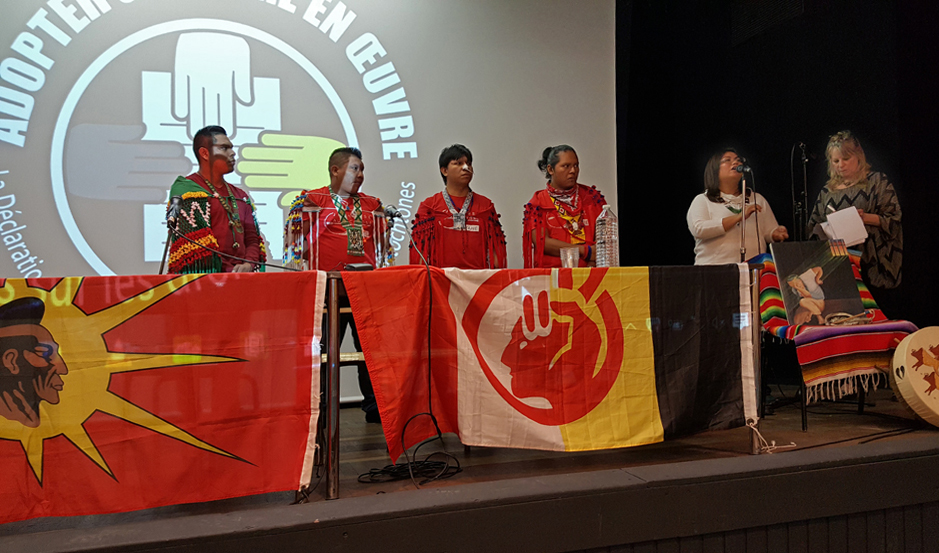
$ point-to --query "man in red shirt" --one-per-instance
(214, 216)
(458, 227)
(344, 231)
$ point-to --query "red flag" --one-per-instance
(562, 359)
(391, 315)
(124, 393)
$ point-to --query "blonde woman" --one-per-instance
(852, 183)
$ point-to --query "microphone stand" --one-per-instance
(407, 231)
(799, 200)
(171, 215)
(803, 203)
(743, 220)
(166, 247)
(760, 239)
(430, 404)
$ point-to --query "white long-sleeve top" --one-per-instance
(714, 246)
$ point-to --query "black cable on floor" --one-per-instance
(429, 470)
(866, 438)
(899, 432)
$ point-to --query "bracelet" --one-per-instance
(587, 257)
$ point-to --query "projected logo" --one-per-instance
(111, 170)
(562, 355)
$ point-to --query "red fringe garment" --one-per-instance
(481, 246)
(541, 220)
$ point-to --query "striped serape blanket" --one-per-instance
(835, 360)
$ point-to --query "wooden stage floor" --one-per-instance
(831, 426)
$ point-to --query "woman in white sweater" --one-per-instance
(714, 216)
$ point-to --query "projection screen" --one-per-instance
(99, 100)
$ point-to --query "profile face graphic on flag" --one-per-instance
(552, 348)
(32, 367)
(544, 366)
(122, 393)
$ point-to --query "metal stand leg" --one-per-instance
(757, 327)
(805, 409)
(166, 248)
(332, 403)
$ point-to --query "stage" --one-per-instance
(852, 483)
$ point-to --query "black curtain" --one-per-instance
(687, 89)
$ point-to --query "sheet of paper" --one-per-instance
(846, 225)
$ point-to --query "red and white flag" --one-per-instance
(556, 359)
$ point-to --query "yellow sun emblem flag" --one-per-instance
(124, 393)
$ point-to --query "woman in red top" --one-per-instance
(561, 214)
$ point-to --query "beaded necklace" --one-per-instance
(354, 233)
(231, 209)
(459, 217)
(566, 202)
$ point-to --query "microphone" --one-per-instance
(391, 212)
(743, 169)
(806, 155)
(172, 213)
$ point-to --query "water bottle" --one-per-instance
(607, 234)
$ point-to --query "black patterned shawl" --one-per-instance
(882, 252)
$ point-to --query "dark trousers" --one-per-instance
(369, 405)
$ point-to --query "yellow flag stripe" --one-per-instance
(629, 415)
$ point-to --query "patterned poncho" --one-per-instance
(203, 220)
(882, 252)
